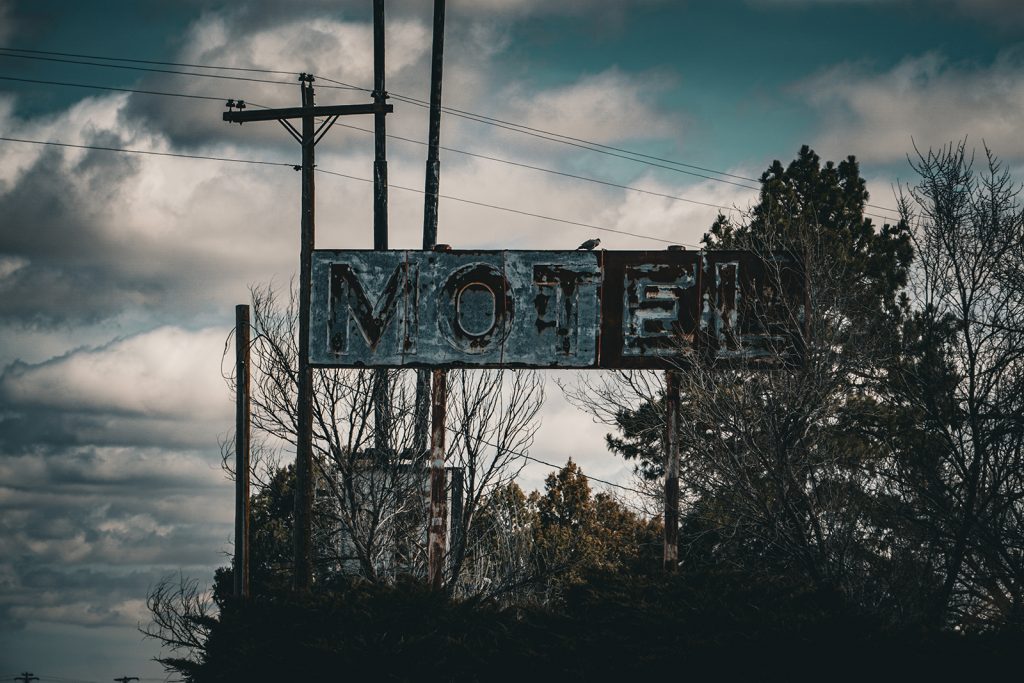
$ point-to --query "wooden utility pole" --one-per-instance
(26, 676)
(242, 452)
(439, 391)
(671, 554)
(125, 679)
(309, 136)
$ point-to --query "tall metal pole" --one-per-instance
(242, 452)
(303, 577)
(433, 182)
(381, 406)
(380, 161)
(671, 554)
(431, 190)
(439, 390)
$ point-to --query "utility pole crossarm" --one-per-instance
(246, 116)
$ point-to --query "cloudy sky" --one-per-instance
(119, 272)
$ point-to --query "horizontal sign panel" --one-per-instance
(551, 309)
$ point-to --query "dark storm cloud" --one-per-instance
(85, 532)
(54, 216)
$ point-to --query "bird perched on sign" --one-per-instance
(589, 245)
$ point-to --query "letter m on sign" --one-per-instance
(369, 306)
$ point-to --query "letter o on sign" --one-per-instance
(475, 308)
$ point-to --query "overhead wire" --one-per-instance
(398, 137)
(407, 412)
(6, 52)
(147, 152)
(618, 152)
(509, 209)
(149, 61)
(116, 89)
(343, 175)
(395, 137)
(547, 170)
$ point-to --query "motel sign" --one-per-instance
(552, 309)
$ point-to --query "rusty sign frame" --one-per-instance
(554, 309)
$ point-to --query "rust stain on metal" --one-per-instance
(552, 309)
(437, 531)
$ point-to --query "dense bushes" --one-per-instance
(608, 627)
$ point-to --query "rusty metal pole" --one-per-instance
(242, 452)
(671, 554)
(303, 516)
(436, 538)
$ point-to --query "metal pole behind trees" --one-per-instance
(439, 391)
(438, 500)
(242, 452)
(303, 576)
(671, 470)
(458, 537)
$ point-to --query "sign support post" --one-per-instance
(439, 390)
(242, 452)
(381, 393)
(671, 544)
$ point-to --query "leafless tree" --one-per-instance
(371, 482)
(969, 291)
(493, 418)
(606, 396)
(182, 614)
(767, 458)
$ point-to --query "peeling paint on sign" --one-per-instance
(550, 309)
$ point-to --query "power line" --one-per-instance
(148, 61)
(149, 152)
(608, 150)
(508, 209)
(341, 175)
(555, 137)
(484, 118)
(618, 152)
(395, 137)
(409, 411)
(549, 170)
(156, 70)
(106, 87)
(404, 139)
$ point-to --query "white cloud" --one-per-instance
(606, 107)
(165, 373)
(927, 98)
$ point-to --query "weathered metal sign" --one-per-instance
(551, 309)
